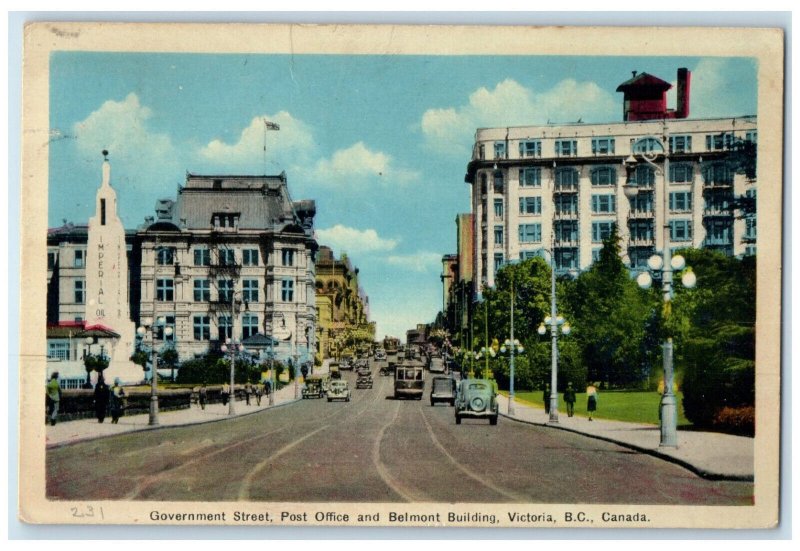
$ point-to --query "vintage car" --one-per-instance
(338, 390)
(380, 355)
(346, 363)
(313, 387)
(436, 364)
(364, 379)
(443, 389)
(477, 398)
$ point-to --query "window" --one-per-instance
(648, 145)
(249, 325)
(566, 204)
(224, 327)
(250, 290)
(169, 321)
(250, 257)
(526, 255)
(530, 177)
(602, 146)
(530, 205)
(566, 178)
(499, 150)
(750, 250)
(601, 231)
(482, 152)
(225, 290)
(498, 261)
(566, 148)
(642, 203)
(566, 232)
(287, 257)
(530, 148)
(51, 260)
(717, 173)
(680, 230)
(641, 230)
(604, 176)
(680, 201)
(751, 136)
(202, 257)
(498, 182)
(202, 328)
(566, 259)
(498, 208)
(680, 144)
(603, 204)
(718, 232)
(202, 290)
(750, 228)
(58, 351)
(498, 235)
(644, 176)
(596, 254)
(225, 220)
(681, 173)
(80, 258)
(530, 233)
(483, 183)
(227, 257)
(80, 291)
(718, 142)
(165, 256)
(287, 290)
(165, 289)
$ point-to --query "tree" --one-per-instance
(612, 314)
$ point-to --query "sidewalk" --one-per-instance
(68, 432)
(709, 454)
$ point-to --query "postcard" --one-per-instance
(401, 276)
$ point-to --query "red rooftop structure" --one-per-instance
(646, 97)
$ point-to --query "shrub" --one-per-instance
(740, 420)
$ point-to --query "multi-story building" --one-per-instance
(231, 258)
(560, 187)
(343, 306)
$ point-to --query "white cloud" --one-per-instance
(354, 241)
(511, 104)
(358, 166)
(121, 127)
(293, 140)
(418, 262)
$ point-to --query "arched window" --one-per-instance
(566, 177)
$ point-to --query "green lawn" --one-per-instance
(634, 407)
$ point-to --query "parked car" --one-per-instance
(477, 398)
(338, 390)
(443, 389)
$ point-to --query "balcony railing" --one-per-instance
(641, 215)
(641, 242)
(565, 188)
(566, 215)
(569, 242)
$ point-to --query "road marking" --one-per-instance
(383, 472)
(244, 490)
(465, 470)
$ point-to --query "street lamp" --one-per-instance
(273, 381)
(233, 347)
(649, 149)
(512, 346)
(152, 328)
(554, 321)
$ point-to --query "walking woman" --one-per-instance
(591, 396)
(101, 396)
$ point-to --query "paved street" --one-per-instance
(373, 449)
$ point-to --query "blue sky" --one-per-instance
(380, 142)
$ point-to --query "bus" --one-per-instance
(409, 381)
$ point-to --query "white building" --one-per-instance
(561, 186)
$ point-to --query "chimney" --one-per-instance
(684, 85)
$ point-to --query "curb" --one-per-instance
(161, 427)
(703, 473)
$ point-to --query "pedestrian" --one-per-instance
(259, 391)
(268, 388)
(53, 397)
(591, 400)
(117, 401)
(202, 396)
(546, 398)
(101, 396)
(569, 399)
(248, 391)
(226, 392)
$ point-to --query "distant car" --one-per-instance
(338, 390)
(437, 365)
(380, 355)
(443, 389)
(364, 379)
(346, 363)
(477, 398)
